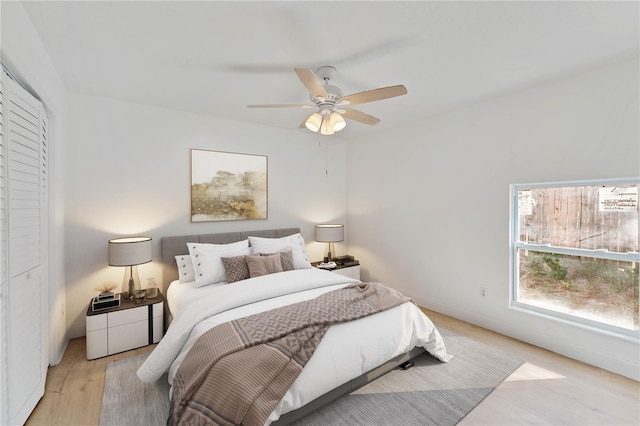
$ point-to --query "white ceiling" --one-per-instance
(214, 58)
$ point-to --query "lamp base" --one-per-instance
(329, 257)
(130, 283)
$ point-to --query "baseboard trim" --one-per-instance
(57, 359)
(524, 328)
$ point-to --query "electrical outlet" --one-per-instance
(483, 292)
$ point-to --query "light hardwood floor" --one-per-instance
(73, 391)
(548, 389)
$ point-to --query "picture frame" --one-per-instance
(228, 186)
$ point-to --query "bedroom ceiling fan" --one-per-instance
(332, 106)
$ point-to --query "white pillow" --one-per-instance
(185, 268)
(294, 242)
(207, 265)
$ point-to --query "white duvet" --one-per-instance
(346, 351)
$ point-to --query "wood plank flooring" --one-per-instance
(73, 391)
(548, 389)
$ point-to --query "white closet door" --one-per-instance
(24, 294)
(3, 197)
(3, 258)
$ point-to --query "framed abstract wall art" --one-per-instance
(228, 186)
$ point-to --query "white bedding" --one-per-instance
(339, 358)
(181, 295)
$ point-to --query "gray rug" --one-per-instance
(430, 393)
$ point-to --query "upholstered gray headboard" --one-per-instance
(175, 246)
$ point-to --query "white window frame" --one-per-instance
(516, 246)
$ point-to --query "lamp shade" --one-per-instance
(329, 233)
(336, 122)
(130, 251)
(313, 122)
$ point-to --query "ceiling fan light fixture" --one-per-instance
(313, 122)
(326, 128)
(336, 122)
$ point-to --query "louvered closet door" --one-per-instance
(26, 226)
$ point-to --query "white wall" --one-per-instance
(440, 206)
(127, 172)
(24, 54)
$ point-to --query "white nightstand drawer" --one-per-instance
(97, 344)
(158, 329)
(355, 272)
(351, 271)
(128, 336)
(128, 316)
(158, 310)
(96, 322)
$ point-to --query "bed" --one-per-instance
(339, 364)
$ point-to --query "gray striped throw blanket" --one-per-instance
(237, 372)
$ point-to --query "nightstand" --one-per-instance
(351, 269)
(124, 327)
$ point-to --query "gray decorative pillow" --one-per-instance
(235, 268)
(263, 265)
(286, 259)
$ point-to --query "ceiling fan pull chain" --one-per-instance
(326, 155)
(326, 160)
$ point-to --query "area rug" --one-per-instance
(430, 393)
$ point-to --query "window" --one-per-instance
(575, 252)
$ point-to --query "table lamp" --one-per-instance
(330, 234)
(130, 252)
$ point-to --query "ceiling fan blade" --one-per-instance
(311, 82)
(360, 116)
(376, 94)
(282, 106)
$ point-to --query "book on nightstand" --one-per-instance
(105, 302)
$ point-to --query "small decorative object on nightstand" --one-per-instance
(127, 326)
(101, 302)
(151, 291)
(107, 298)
